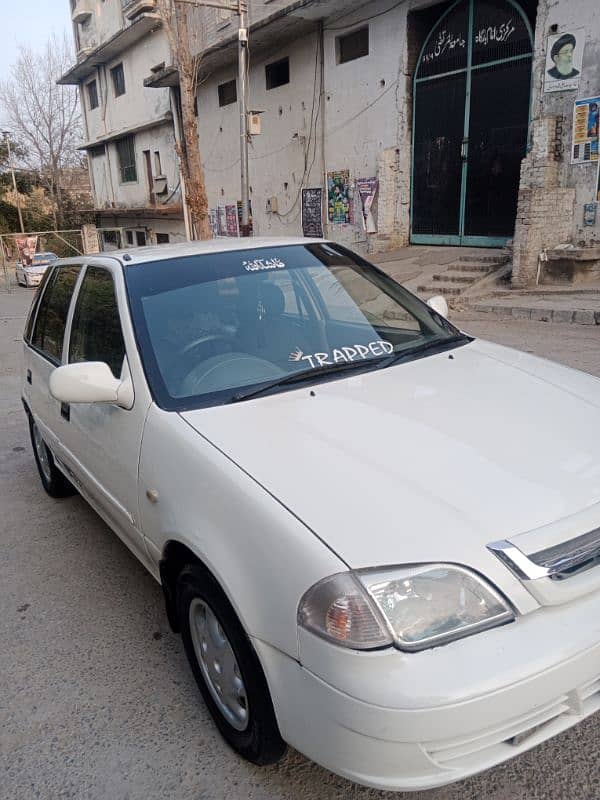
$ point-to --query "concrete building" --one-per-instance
(129, 130)
(461, 112)
(452, 106)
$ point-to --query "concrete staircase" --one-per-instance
(459, 275)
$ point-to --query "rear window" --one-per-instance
(49, 329)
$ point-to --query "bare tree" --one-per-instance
(175, 19)
(44, 118)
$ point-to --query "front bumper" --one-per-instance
(404, 722)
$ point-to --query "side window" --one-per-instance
(49, 331)
(96, 333)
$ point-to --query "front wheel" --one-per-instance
(227, 669)
(53, 481)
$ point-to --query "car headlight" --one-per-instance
(413, 608)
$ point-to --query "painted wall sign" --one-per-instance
(585, 131)
(564, 57)
(312, 212)
(338, 197)
(496, 34)
(341, 355)
(444, 42)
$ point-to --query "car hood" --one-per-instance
(428, 460)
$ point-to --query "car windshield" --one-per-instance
(214, 328)
(42, 259)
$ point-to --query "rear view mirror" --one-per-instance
(90, 382)
(439, 304)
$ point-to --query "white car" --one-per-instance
(31, 275)
(378, 537)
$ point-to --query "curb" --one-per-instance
(565, 316)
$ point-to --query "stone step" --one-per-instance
(460, 277)
(484, 269)
(549, 314)
(446, 289)
(499, 259)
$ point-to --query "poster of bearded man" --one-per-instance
(564, 59)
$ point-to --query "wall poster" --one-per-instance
(221, 221)
(213, 222)
(338, 197)
(564, 57)
(312, 212)
(367, 190)
(231, 220)
(585, 131)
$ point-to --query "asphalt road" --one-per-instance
(96, 699)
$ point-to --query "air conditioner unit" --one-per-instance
(159, 184)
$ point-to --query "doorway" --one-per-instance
(472, 90)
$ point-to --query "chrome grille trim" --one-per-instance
(558, 563)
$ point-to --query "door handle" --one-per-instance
(28, 376)
(65, 411)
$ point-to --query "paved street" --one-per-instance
(96, 699)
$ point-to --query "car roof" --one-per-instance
(142, 255)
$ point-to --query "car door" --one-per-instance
(43, 351)
(101, 441)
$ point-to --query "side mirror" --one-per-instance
(439, 304)
(90, 382)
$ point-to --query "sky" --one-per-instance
(29, 22)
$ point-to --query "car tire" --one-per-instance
(237, 696)
(53, 481)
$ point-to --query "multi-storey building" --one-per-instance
(462, 109)
(468, 115)
(129, 130)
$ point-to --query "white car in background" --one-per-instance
(31, 275)
(378, 536)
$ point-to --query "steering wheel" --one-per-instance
(226, 370)
(209, 337)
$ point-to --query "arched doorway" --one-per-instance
(471, 104)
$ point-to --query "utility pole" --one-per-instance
(239, 7)
(6, 136)
(243, 105)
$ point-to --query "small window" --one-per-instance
(162, 238)
(96, 333)
(157, 164)
(118, 79)
(227, 93)
(278, 73)
(92, 90)
(140, 238)
(111, 239)
(129, 237)
(353, 45)
(126, 154)
(49, 331)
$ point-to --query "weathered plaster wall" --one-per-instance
(553, 191)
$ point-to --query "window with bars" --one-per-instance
(126, 156)
(118, 80)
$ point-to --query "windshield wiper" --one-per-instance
(379, 362)
(309, 374)
(424, 347)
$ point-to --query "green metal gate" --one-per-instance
(472, 90)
